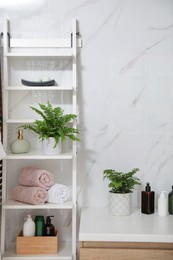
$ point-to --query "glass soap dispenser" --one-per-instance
(147, 200)
(20, 145)
(49, 229)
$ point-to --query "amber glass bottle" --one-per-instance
(147, 200)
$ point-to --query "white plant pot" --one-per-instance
(48, 146)
(119, 204)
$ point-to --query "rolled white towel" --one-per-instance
(58, 193)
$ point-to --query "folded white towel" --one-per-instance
(58, 193)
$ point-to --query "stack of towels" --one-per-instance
(37, 186)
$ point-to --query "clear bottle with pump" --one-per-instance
(20, 145)
(170, 202)
(163, 204)
(29, 227)
(147, 200)
(49, 229)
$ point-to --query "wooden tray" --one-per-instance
(36, 245)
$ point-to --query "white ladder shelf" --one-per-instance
(46, 48)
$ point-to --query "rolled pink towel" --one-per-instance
(30, 195)
(31, 176)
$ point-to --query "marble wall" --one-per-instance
(125, 92)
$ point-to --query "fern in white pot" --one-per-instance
(53, 128)
(121, 187)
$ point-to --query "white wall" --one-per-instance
(125, 84)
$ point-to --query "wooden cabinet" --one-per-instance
(137, 236)
(125, 251)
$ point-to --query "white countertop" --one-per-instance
(97, 225)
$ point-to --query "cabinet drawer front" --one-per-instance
(124, 254)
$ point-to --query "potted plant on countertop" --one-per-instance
(53, 128)
(121, 187)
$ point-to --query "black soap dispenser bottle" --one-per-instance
(147, 200)
(170, 202)
(49, 229)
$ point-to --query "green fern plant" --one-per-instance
(53, 124)
(121, 182)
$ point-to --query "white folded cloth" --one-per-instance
(58, 193)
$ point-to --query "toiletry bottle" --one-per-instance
(29, 227)
(147, 200)
(170, 202)
(20, 145)
(49, 229)
(163, 204)
(39, 225)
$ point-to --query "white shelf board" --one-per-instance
(98, 225)
(12, 204)
(20, 88)
(19, 121)
(43, 43)
(22, 121)
(64, 253)
(40, 43)
(38, 54)
(38, 155)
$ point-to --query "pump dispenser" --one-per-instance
(163, 204)
(29, 227)
(49, 229)
(20, 145)
(147, 200)
(170, 201)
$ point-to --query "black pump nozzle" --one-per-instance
(48, 219)
(148, 188)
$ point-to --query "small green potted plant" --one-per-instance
(121, 186)
(53, 128)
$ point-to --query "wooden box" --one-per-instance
(36, 245)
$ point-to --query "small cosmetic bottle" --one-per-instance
(29, 227)
(39, 225)
(20, 145)
(147, 200)
(163, 204)
(49, 229)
